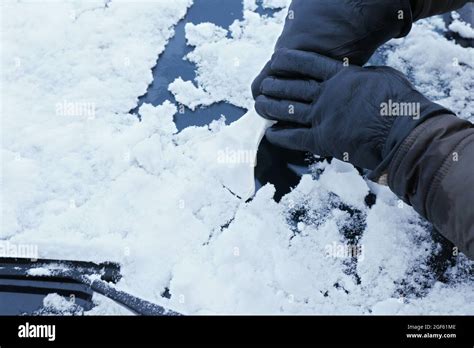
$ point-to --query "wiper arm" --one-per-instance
(95, 276)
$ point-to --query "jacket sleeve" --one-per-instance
(427, 8)
(433, 170)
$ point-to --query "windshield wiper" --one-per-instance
(96, 277)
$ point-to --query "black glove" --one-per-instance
(341, 28)
(347, 112)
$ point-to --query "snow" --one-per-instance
(84, 179)
(226, 65)
(105, 306)
(462, 28)
(187, 94)
(445, 75)
(39, 271)
(54, 304)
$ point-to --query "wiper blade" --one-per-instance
(98, 277)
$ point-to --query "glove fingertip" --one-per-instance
(281, 138)
(273, 136)
(256, 86)
(262, 105)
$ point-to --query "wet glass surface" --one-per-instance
(171, 64)
(23, 296)
(274, 165)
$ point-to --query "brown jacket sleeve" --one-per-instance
(433, 170)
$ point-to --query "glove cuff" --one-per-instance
(403, 126)
(416, 8)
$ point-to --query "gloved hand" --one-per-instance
(347, 112)
(341, 29)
